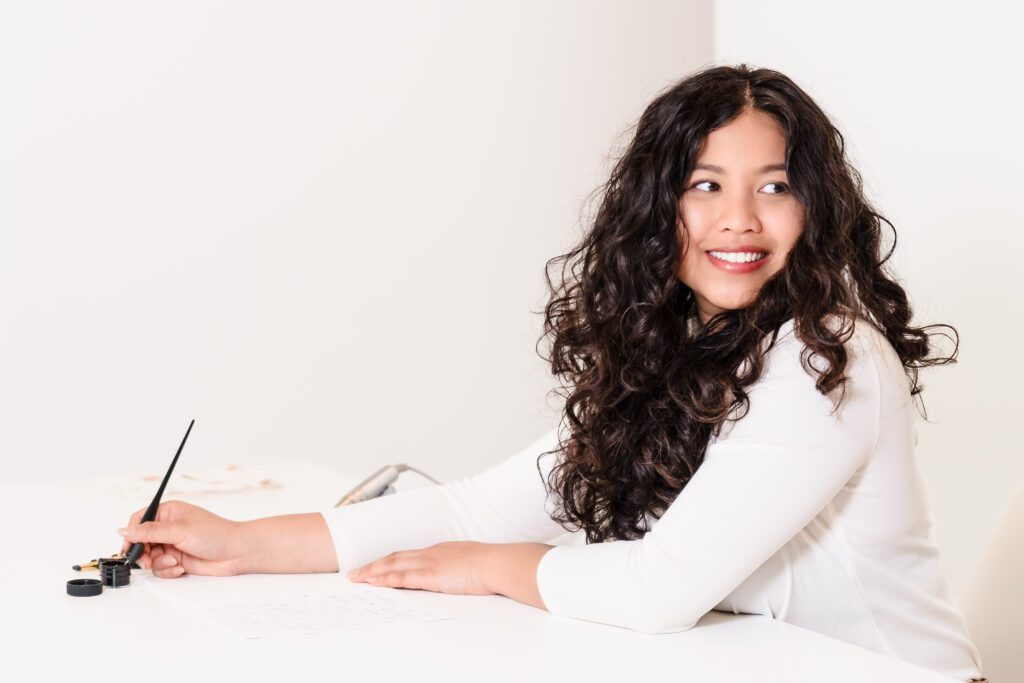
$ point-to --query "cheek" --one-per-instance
(694, 215)
(692, 227)
(690, 262)
(789, 224)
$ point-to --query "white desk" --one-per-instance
(136, 633)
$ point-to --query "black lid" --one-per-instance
(84, 588)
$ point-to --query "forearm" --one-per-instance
(512, 571)
(287, 544)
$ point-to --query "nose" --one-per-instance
(739, 214)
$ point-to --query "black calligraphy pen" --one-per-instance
(150, 515)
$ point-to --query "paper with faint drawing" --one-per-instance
(308, 614)
(185, 482)
(285, 605)
(311, 614)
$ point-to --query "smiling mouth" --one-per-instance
(738, 257)
(746, 262)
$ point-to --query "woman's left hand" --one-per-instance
(461, 568)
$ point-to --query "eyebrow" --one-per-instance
(719, 169)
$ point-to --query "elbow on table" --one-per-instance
(657, 624)
(648, 619)
(665, 609)
(660, 627)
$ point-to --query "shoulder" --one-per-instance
(786, 406)
(862, 339)
(791, 365)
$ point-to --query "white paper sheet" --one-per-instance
(310, 614)
(275, 606)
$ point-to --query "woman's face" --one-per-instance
(738, 219)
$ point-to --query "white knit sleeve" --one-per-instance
(506, 503)
(758, 487)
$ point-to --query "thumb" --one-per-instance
(171, 533)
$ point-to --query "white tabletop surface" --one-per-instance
(138, 632)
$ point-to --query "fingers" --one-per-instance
(148, 558)
(164, 561)
(171, 533)
(157, 533)
(126, 546)
(167, 566)
(415, 577)
(397, 580)
(132, 521)
(165, 512)
(394, 567)
(171, 510)
(451, 567)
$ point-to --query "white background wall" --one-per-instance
(318, 228)
(929, 97)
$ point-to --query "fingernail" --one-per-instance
(123, 532)
(349, 574)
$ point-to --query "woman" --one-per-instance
(738, 429)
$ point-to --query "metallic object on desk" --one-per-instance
(378, 484)
(95, 564)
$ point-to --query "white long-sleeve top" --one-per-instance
(821, 521)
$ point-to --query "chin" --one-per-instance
(732, 300)
(727, 305)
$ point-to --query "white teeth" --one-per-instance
(737, 257)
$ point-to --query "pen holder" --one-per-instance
(115, 572)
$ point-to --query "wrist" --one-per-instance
(245, 549)
(286, 544)
(493, 563)
(510, 569)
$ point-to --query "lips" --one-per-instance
(747, 248)
(738, 268)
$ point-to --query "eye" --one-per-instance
(781, 188)
(705, 182)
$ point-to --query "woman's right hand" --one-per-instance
(185, 538)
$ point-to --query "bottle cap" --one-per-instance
(84, 588)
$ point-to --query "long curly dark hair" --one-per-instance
(645, 387)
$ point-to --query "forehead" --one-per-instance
(753, 138)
